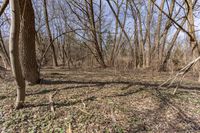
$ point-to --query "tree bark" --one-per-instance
(27, 42)
(14, 52)
(191, 28)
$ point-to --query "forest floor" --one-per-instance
(97, 101)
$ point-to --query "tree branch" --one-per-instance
(3, 7)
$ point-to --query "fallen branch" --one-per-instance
(181, 73)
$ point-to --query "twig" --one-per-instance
(178, 85)
(51, 103)
(69, 128)
(84, 111)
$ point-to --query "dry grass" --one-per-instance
(102, 101)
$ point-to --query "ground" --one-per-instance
(102, 100)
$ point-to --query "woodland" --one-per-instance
(99, 66)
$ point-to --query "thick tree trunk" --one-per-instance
(27, 42)
(14, 52)
(193, 39)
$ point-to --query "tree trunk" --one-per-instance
(63, 55)
(163, 66)
(193, 39)
(55, 63)
(3, 53)
(27, 42)
(141, 43)
(166, 30)
(136, 45)
(111, 62)
(117, 40)
(94, 34)
(5, 62)
(157, 34)
(148, 39)
(14, 52)
(122, 27)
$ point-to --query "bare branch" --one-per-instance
(3, 7)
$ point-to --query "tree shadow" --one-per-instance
(158, 115)
(128, 83)
(127, 93)
(60, 104)
(62, 89)
(71, 103)
(3, 97)
(165, 101)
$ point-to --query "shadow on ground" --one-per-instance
(144, 120)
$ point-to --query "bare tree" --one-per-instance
(117, 40)
(96, 39)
